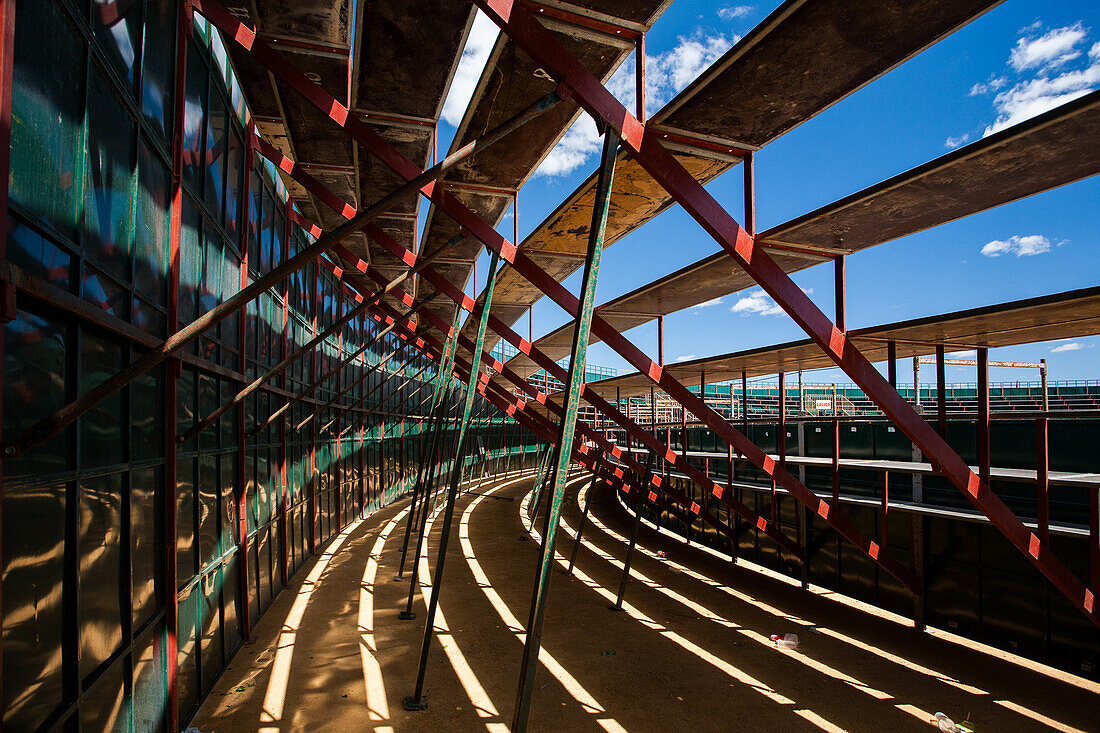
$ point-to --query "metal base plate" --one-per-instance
(613, 607)
(407, 615)
(411, 703)
(398, 578)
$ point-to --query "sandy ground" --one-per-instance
(689, 652)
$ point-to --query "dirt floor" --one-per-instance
(690, 650)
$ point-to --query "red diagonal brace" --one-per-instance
(528, 34)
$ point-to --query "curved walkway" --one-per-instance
(689, 652)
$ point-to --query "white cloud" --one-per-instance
(954, 142)
(685, 357)
(1049, 70)
(1071, 346)
(995, 83)
(1051, 49)
(666, 74)
(1033, 244)
(479, 44)
(707, 304)
(575, 147)
(735, 11)
(760, 303)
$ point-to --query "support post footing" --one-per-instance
(411, 703)
(407, 615)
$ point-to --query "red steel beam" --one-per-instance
(590, 94)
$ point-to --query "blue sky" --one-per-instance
(1016, 61)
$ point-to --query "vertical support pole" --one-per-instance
(916, 385)
(836, 463)
(684, 454)
(749, 162)
(840, 293)
(941, 392)
(661, 340)
(530, 324)
(618, 604)
(916, 528)
(173, 368)
(416, 700)
(780, 435)
(1043, 382)
(653, 422)
(983, 415)
(1094, 546)
(884, 507)
(729, 488)
(1042, 479)
(584, 514)
(619, 406)
(567, 427)
(639, 78)
(892, 363)
(744, 402)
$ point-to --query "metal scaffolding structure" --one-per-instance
(246, 344)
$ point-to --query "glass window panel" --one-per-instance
(231, 285)
(190, 263)
(146, 545)
(231, 594)
(46, 118)
(117, 27)
(214, 155)
(37, 255)
(148, 318)
(100, 532)
(253, 605)
(159, 60)
(229, 506)
(263, 576)
(208, 509)
(34, 387)
(147, 416)
(150, 691)
(104, 707)
(193, 132)
(185, 400)
(229, 419)
(188, 675)
(211, 627)
(212, 282)
(34, 623)
(262, 480)
(151, 237)
(267, 224)
(103, 292)
(251, 507)
(208, 395)
(254, 213)
(234, 165)
(109, 177)
(185, 521)
(277, 243)
(101, 427)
